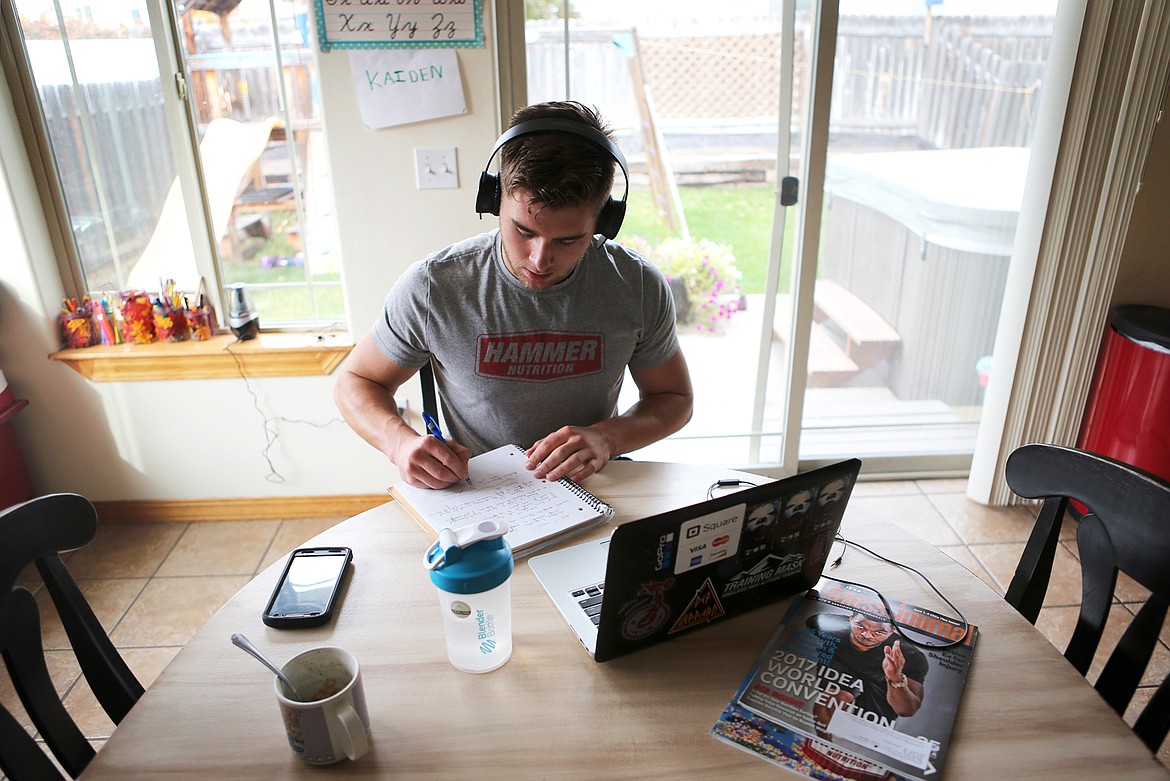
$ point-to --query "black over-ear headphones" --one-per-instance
(487, 199)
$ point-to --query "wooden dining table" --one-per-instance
(551, 711)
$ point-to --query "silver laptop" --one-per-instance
(666, 574)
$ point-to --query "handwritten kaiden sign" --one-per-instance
(399, 87)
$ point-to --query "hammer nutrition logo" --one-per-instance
(539, 356)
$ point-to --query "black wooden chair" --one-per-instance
(37, 531)
(426, 378)
(1125, 527)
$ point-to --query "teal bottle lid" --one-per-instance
(470, 560)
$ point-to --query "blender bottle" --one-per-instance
(471, 566)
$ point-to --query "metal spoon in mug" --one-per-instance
(243, 642)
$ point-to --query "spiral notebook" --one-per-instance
(538, 512)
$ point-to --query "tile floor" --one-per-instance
(154, 584)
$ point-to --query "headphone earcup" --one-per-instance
(609, 221)
(487, 198)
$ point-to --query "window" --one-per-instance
(186, 141)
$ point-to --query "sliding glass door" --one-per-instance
(704, 114)
(930, 129)
(832, 192)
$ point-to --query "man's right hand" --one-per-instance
(425, 462)
(366, 385)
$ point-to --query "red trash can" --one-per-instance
(1128, 412)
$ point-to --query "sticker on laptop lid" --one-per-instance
(708, 539)
(703, 607)
(647, 611)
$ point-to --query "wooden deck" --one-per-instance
(861, 422)
(843, 421)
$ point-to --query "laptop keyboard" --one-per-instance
(589, 598)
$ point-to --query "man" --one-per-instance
(884, 678)
(529, 327)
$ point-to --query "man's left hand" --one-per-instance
(570, 451)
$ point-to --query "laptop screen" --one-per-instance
(687, 568)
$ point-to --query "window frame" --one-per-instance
(179, 112)
(18, 73)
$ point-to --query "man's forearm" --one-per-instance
(372, 412)
(652, 418)
(905, 700)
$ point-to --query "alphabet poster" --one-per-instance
(399, 24)
(399, 86)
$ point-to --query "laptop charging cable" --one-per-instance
(730, 482)
(734, 483)
(846, 543)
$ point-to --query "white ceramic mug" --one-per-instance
(331, 722)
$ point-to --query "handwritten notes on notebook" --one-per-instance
(537, 512)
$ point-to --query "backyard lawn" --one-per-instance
(738, 217)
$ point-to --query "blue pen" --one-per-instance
(437, 433)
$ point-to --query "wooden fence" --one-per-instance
(974, 83)
(116, 194)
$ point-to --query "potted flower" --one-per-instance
(703, 278)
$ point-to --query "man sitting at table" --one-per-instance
(891, 675)
(542, 285)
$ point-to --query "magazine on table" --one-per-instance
(837, 693)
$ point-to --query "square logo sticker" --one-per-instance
(709, 538)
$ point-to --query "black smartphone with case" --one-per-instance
(307, 590)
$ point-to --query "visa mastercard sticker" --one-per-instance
(709, 538)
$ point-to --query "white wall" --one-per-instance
(385, 222)
(203, 439)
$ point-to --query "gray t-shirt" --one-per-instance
(513, 364)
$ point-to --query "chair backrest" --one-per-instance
(426, 378)
(1126, 528)
(36, 532)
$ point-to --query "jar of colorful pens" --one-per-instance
(76, 326)
(201, 321)
(170, 319)
(176, 320)
(136, 317)
(89, 321)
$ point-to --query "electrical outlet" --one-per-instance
(436, 169)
